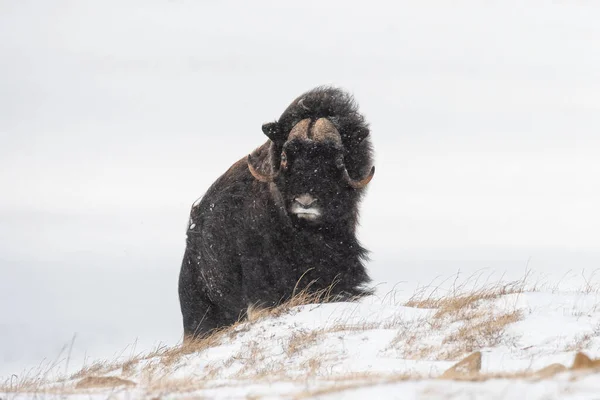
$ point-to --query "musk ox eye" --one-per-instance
(284, 160)
(339, 162)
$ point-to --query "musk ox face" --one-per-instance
(311, 182)
(311, 175)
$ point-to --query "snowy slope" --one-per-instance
(368, 348)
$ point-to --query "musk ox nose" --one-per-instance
(305, 201)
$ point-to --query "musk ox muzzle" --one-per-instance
(305, 207)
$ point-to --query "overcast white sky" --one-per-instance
(116, 115)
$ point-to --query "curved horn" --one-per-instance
(325, 130)
(300, 130)
(360, 183)
(259, 177)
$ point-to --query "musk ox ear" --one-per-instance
(359, 136)
(271, 129)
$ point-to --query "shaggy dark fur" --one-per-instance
(243, 245)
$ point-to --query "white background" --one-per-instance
(116, 115)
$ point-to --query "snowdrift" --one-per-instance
(503, 341)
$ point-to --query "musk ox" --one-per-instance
(282, 219)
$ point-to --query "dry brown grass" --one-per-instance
(37, 379)
(302, 297)
(300, 341)
(462, 321)
(466, 367)
(582, 361)
(167, 357)
(360, 327)
(487, 331)
(466, 370)
(458, 301)
(580, 342)
(28, 382)
(154, 366)
(254, 360)
(157, 364)
(583, 341)
(582, 364)
(313, 365)
(103, 382)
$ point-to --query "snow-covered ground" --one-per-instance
(516, 336)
